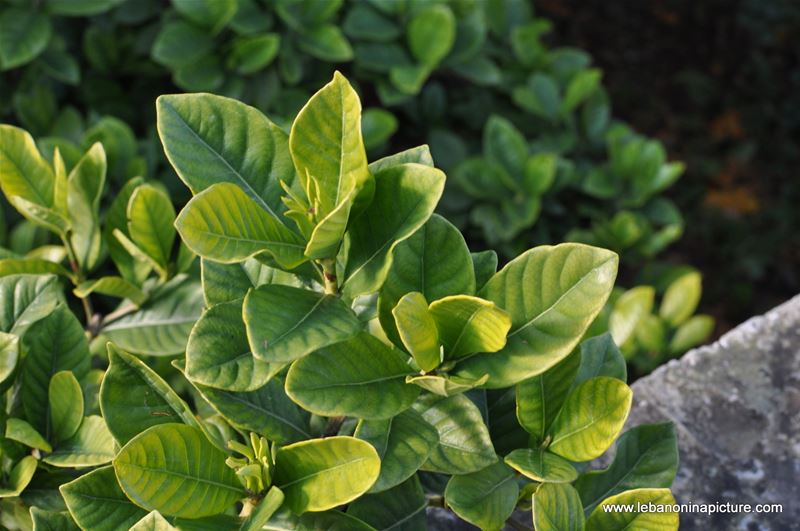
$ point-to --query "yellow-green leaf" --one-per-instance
(608, 520)
(469, 324)
(417, 330)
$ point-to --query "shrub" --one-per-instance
(354, 362)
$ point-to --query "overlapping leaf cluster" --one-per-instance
(354, 363)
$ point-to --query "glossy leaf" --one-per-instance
(320, 474)
(117, 220)
(434, 261)
(22, 432)
(541, 465)
(19, 477)
(24, 34)
(484, 264)
(224, 224)
(66, 405)
(681, 298)
(91, 445)
(96, 501)
(52, 520)
(601, 357)
(210, 139)
(286, 323)
(31, 266)
(401, 508)
(539, 399)
(469, 324)
(112, 286)
(464, 442)
(56, 343)
(691, 333)
(266, 411)
(403, 443)
(417, 330)
(591, 418)
(153, 522)
(419, 155)
(25, 299)
(174, 469)
(617, 521)
(628, 312)
(405, 197)
(557, 506)
(446, 385)
(133, 397)
(26, 173)
(150, 219)
(485, 498)
(645, 456)
(552, 294)
(9, 355)
(218, 355)
(431, 34)
(361, 377)
(161, 326)
(84, 188)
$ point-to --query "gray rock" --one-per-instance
(736, 406)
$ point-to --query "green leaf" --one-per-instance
(484, 263)
(81, 8)
(628, 312)
(25, 299)
(572, 283)
(22, 432)
(446, 385)
(691, 333)
(264, 510)
(26, 173)
(419, 155)
(469, 324)
(285, 520)
(31, 266)
(377, 126)
(485, 498)
(557, 506)
(96, 501)
(210, 14)
(434, 261)
(66, 405)
(56, 343)
(19, 477)
(417, 330)
(328, 152)
(42, 216)
(228, 282)
(591, 418)
(112, 286)
(326, 43)
(52, 521)
(218, 355)
(540, 172)
(150, 223)
(601, 357)
(24, 34)
(681, 299)
(539, 399)
(365, 23)
(320, 474)
(153, 522)
(645, 456)
(403, 443)
(224, 224)
(161, 326)
(133, 397)
(174, 469)
(540, 96)
(431, 34)
(84, 188)
(91, 445)
(608, 520)
(464, 442)
(286, 323)
(180, 43)
(210, 139)
(580, 88)
(9, 355)
(360, 377)
(251, 54)
(405, 197)
(401, 508)
(266, 411)
(542, 466)
(505, 145)
(117, 219)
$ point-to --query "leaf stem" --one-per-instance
(329, 276)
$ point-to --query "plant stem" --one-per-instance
(329, 275)
(435, 500)
(333, 426)
(92, 322)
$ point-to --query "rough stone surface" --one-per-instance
(736, 405)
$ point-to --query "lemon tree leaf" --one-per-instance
(417, 330)
(617, 521)
(469, 324)
(557, 506)
(485, 498)
(542, 466)
(66, 405)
